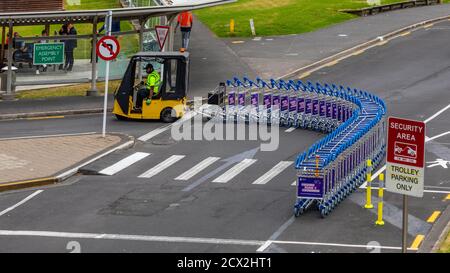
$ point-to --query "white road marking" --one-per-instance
(161, 166)
(276, 170)
(21, 202)
(437, 114)
(294, 183)
(235, 170)
(72, 171)
(124, 163)
(197, 168)
(290, 129)
(154, 133)
(376, 174)
(162, 129)
(148, 238)
(170, 239)
(438, 136)
(264, 246)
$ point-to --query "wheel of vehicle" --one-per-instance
(167, 116)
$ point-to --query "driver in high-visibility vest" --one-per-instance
(152, 85)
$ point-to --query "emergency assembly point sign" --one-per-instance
(405, 157)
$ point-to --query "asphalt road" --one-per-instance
(128, 213)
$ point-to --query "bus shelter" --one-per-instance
(136, 19)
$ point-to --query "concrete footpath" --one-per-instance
(36, 161)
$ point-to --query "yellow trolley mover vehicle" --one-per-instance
(169, 104)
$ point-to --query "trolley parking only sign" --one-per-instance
(405, 157)
(48, 53)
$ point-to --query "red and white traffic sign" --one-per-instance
(108, 48)
(161, 35)
(405, 156)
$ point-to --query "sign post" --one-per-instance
(161, 35)
(107, 49)
(405, 163)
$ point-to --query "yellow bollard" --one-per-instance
(369, 204)
(231, 26)
(380, 221)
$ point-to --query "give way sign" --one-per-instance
(405, 156)
(161, 35)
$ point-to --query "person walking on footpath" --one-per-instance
(185, 20)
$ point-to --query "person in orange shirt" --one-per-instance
(185, 21)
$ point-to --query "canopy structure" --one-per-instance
(46, 18)
(91, 16)
(30, 5)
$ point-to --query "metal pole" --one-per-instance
(2, 52)
(9, 94)
(94, 90)
(170, 43)
(405, 224)
(141, 44)
(105, 104)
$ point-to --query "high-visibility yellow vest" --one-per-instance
(153, 79)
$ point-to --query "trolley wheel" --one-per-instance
(297, 212)
(323, 214)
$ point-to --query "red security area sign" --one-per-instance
(405, 156)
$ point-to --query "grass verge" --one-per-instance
(279, 17)
(67, 91)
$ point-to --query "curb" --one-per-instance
(52, 113)
(70, 171)
(437, 234)
(64, 113)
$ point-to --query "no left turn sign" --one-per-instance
(108, 48)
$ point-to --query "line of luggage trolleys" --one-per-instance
(334, 166)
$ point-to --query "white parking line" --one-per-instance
(290, 129)
(437, 114)
(235, 170)
(438, 136)
(170, 239)
(124, 163)
(21, 202)
(197, 168)
(276, 170)
(161, 166)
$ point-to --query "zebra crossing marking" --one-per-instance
(124, 163)
(161, 166)
(235, 170)
(276, 170)
(197, 168)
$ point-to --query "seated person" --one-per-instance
(151, 87)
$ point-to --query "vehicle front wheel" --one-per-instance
(168, 115)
